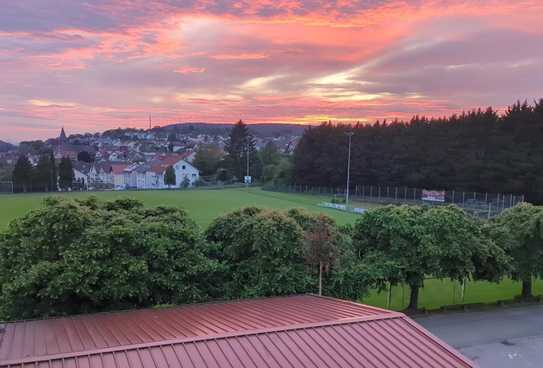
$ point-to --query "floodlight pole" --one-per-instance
(246, 181)
(350, 135)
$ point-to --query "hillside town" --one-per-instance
(126, 159)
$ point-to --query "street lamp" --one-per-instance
(350, 135)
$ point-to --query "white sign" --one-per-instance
(248, 179)
(433, 195)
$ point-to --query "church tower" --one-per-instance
(62, 138)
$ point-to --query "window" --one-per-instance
(183, 167)
(193, 175)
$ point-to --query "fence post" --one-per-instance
(463, 198)
(396, 193)
(378, 193)
(405, 193)
(489, 209)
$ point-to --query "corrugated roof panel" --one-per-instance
(371, 343)
(297, 332)
(105, 330)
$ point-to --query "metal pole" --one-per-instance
(247, 182)
(350, 135)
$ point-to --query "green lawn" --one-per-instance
(203, 205)
(438, 293)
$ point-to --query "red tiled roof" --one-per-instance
(118, 169)
(161, 162)
(298, 331)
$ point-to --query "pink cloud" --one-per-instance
(189, 70)
(242, 56)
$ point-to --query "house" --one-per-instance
(107, 174)
(296, 331)
(81, 173)
(184, 171)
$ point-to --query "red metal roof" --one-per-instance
(298, 331)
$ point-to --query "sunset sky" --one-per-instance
(100, 64)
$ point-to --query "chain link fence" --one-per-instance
(480, 204)
(6, 187)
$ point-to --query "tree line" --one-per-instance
(45, 176)
(480, 150)
(77, 256)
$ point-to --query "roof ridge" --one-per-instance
(170, 307)
(195, 339)
(349, 302)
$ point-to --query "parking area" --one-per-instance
(501, 338)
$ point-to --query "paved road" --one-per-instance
(502, 338)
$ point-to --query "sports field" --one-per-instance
(203, 205)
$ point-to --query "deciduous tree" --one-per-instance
(81, 256)
(519, 230)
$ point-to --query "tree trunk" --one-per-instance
(414, 297)
(526, 287)
(320, 278)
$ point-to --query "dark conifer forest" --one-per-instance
(480, 150)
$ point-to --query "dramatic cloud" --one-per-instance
(101, 64)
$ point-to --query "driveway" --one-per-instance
(505, 337)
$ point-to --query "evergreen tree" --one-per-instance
(22, 175)
(65, 173)
(169, 176)
(53, 179)
(42, 176)
(240, 145)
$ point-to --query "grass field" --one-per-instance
(438, 293)
(203, 205)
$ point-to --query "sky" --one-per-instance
(101, 64)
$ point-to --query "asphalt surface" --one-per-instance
(500, 338)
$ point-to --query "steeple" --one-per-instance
(62, 137)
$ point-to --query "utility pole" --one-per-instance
(350, 135)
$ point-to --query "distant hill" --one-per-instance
(259, 130)
(5, 146)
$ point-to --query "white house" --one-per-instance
(184, 171)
